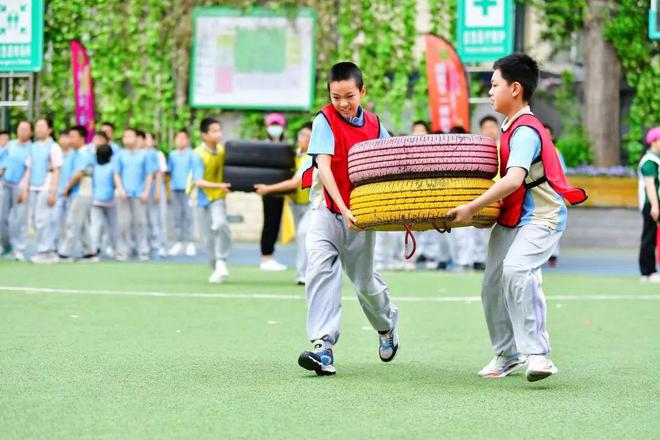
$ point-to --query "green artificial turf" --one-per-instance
(85, 363)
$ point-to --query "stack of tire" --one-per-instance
(411, 182)
(250, 162)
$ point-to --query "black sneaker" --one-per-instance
(479, 266)
(320, 360)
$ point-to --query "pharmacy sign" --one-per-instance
(485, 29)
(21, 35)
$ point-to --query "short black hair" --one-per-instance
(488, 118)
(519, 68)
(103, 153)
(102, 134)
(306, 125)
(140, 133)
(206, 123)
(457, 130)
(64, 132)
(82, 131)
(5, 132)
(109, 124)
(345, 71)
(424, 123)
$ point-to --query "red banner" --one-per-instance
(83, 88)
(449, 97)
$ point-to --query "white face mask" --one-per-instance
(275, 131)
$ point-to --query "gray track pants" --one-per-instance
(132, 216)
(77, 227)
(331, 246)
(511, 292)
(42, 216)
(182, 216)
(214, 230)
(14, 221)
(104, 218)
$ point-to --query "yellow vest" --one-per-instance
(300, 196)
(213, 170)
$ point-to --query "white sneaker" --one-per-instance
(501, 366)
(539, 367)
(272, 266)
(18, 256)
(162, 253)
(217, 277)
(45, 258)
(653, 278)
(110, 252)
(176, 249)
(191, 250)
(221, 268)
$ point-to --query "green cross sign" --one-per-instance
(485, 4)
(21, 35)
(484, 31)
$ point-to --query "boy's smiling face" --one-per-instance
(346, 97)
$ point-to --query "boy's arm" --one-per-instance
(24, 185)
(281, 187)
(73, 182)
(147, 189)
(649, 184)
(502, 188)
(328, 180)
(121, 192)
(54, 183)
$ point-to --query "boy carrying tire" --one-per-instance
(334, 243)
(531, 222)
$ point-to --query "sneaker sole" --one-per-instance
(391, 358)
(308, 362)
(535, 376)
(513, 369)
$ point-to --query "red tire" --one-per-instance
(419, 157)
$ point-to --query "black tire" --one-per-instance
(244, 178)
(260, 154)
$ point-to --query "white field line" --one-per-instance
(268, 296)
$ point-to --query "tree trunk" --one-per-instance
(601, 87)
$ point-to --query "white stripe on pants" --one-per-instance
(42, 216)
(14, 221)
(511, 292)
(104, 218)
(182, 216)
(301, 219)
(77, 227)
(215, 230)
(331, 246)
(132, 216)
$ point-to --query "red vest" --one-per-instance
(346, 135)
(511, 210)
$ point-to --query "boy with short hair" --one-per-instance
(104, 213)
(133, 177)
(299, 199)
(180, 165)
(207, 176)
(333, 240)
(79, 191)
(15, 172)
(46, 161)
(531, 221)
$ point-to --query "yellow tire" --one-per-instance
(421, 203)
